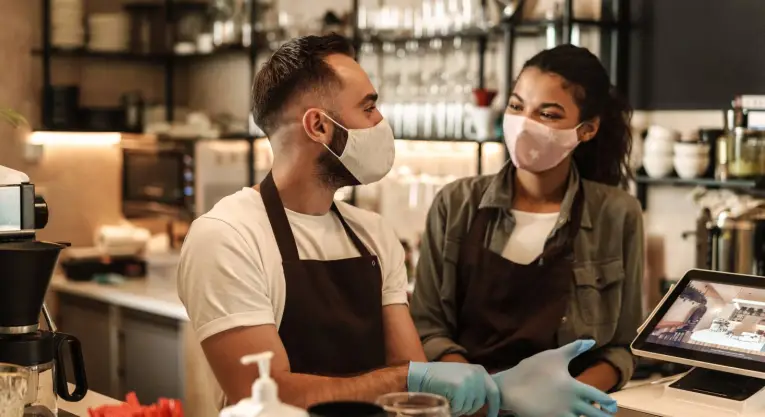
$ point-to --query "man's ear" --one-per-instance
(317, 127)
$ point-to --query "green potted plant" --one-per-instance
(12, 117)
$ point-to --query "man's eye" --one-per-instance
(515, 107)
(370, 109)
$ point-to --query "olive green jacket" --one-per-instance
(608, 264)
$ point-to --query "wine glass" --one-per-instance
(414, 404)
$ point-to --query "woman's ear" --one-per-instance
(589, 129)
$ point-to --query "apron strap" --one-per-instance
(285, 240)
(281, 225)
(354, 238)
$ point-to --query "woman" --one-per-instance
(550, 249)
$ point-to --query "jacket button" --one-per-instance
(564, 319)
(374, 263)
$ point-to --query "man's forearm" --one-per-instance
(304, 390)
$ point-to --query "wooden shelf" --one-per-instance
(154, 58)
(754, 186)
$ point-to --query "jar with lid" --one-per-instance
(747, 157)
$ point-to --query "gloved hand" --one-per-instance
(467, 387)
(541, 386)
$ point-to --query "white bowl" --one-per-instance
(663, 133)
(657, 166)
(691, 149)
(652, 146)
(691, 167)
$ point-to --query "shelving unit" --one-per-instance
(614, 51)
(643, 182)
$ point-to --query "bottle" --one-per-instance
(265, 394)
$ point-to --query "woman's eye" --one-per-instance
(550, 116)
(515, 107)
(370, 109)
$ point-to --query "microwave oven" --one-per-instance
(181, 178)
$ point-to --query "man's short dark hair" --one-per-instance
(297, 66)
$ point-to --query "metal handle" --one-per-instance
(49, 319)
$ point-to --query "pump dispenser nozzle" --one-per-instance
(264, 390)
(265, 394)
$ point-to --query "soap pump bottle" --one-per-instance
(265, 399)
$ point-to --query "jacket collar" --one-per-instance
(499, 194)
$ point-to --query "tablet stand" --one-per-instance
(719, 384)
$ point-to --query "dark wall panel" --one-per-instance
(696, 54)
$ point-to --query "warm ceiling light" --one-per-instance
(74, 138)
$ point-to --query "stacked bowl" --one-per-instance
(67, 29)
(109, 32)
(658, 151)
(691, 159)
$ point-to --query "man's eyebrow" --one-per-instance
(367, 98)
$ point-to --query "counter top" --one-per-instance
(135, 293)
(653, 399)
(91, 400)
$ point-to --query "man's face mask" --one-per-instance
(369, 153)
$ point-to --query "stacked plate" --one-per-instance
(67, 29)
(109, 32)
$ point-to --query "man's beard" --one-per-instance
(331, 172)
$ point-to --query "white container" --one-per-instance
(689, 167)
(265, 394)
(654, 146)
(658, 166)
(696, 149)
(663, 133)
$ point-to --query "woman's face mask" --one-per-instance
(369, 153)
(536, 147)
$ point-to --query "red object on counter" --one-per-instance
(132, 408)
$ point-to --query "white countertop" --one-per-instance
(91, 400)
(136, 293)
(652, 399)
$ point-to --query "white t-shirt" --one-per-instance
(529, 235)
(230, 273)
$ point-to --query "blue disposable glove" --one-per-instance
(467, 387)
(541, 386)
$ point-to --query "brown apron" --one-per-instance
(508, 312)
(332, 323)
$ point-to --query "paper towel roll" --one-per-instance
(121, 240)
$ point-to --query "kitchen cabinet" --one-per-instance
(125, 349)
(88, 321)
(152, 359)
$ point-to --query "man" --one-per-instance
(282, 268)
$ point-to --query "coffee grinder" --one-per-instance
(36, 357)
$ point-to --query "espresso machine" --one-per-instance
(35, 361)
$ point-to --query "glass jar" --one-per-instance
(414, 404)
(745, 156)
(41, 394)
(13, 390)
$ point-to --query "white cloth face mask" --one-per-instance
(369, 153)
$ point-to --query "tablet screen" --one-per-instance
(715, 318)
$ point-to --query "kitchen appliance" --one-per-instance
(180, 178)
(735, 242)
(63, 103)
(27, 266)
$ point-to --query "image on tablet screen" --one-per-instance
(715, 318)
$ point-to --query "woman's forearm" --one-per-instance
(602, 376)
(453, 357)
